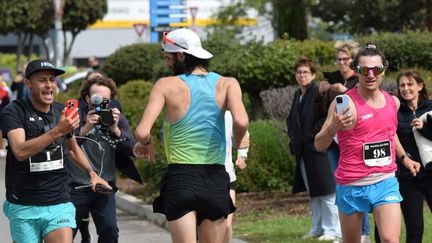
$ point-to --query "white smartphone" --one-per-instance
(342, 103)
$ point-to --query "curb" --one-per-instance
(136, 206)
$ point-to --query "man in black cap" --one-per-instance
(38, 132)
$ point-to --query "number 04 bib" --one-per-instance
(377, 153)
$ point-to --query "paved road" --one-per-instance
(131, 227)
(4, 224)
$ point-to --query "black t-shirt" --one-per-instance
(43, 178)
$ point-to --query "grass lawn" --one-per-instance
(280, 227)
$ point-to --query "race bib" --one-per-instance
(47, 160)
(377, 154)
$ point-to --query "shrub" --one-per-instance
(133, 62)
(411, 49)
(134, 97)
(269, 165)
(321, 52)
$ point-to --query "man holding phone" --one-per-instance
(38, 132)
(369, 145)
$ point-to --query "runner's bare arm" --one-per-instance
(154, 106)
(23, 149)
(325, 136)
(238, 111)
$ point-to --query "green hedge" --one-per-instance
(133, 62)
(260, 66)
(402, 50)
(270, 167)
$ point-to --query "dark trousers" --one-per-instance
(102, 209)
(414, 192)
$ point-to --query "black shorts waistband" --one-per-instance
(195, 168)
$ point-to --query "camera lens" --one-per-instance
(339, 100)
(106, 118)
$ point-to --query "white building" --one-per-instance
(117, 28)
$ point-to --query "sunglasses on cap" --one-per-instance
(364, 70)
(165, 39)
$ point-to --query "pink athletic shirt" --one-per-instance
(370, 146)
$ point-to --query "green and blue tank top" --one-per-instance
(198, 137)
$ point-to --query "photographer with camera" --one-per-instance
(105, 136)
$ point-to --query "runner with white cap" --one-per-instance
(195, 189)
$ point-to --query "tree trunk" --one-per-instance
(428, 22)
(45, 46)
(68, 50)
(290, 18)
(20, 47)
(30, 50)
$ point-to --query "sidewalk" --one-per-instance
(136, 206)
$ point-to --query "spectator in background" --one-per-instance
(240, 162)
(414, 98)
(109, 142)
(19, 87)
(93, 63)
(4, 100)
(83, 106)
(313, 172)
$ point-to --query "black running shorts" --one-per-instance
(201, 188)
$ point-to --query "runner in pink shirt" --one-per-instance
(366, 131)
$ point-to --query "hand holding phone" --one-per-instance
(102, 189)
(71, 105)
(342, 103)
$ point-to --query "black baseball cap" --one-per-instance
(39, 65)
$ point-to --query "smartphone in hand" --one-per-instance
(342, 103)
(334, 77)
(71, 105)
(102, 189)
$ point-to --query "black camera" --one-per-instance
(339, 100)
(106, 117)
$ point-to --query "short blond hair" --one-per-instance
(350, 47)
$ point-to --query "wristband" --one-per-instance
(242, 152)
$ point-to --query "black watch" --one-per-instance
(405, 155)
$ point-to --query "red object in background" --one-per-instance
(139, 28)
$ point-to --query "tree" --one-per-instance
(362, 17)
(26, 19)
(77, 16)
(288, 17)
